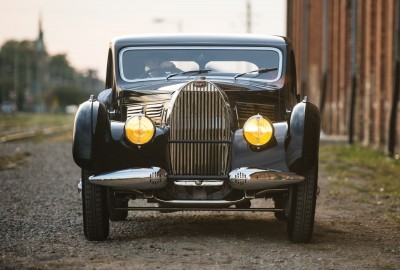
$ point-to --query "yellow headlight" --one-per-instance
(258, 130)
(139, 129)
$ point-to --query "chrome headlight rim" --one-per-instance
(131, 118)
(272, 133)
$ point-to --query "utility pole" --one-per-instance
(325, 58)
(353, 69)
(396, 84)
(1, 76)
(289, 19)
(16, 77)
(28, 93)
(248, 16)
(304, 47)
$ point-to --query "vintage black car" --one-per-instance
(198, 123)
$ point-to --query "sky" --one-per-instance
(82, 29)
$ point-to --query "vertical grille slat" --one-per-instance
(199, 131)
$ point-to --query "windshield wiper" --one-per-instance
(259, 71)
(197, 71)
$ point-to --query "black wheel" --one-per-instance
(280, 203)
(280, 216)
(95, 210)
(117, 202)
(302, 210)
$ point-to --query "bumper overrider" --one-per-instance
(156, 178)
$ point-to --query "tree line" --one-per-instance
(33, 80)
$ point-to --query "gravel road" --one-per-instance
(41, 228)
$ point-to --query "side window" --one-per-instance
(110, 68)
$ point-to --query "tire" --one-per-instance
(96, 224)
(280, 216)
(300, 223)
(117, 202)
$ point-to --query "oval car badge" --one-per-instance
(200, 84)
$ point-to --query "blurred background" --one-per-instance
(53, 53)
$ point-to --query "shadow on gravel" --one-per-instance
(266, 229)
(199, 226)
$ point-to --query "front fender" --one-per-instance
(89, 132)
(302, 142)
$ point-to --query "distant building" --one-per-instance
(40, 47)
(39, 71)
(347, 52)
(33, 80)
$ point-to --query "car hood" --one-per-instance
(224, 84)
(163, 90)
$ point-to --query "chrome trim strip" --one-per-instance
(199, 183)
(141, 178)
(245, 178)
(121, 69)
(199, 203)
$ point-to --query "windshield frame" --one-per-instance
(189, 47)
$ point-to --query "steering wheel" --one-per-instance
(147, 74)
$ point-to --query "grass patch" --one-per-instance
(11, 161)
(34, 120)
(22, 126)
(368, 173)
(348, 162)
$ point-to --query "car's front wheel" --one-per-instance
(95, 209)
(302, 210)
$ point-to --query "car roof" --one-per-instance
(199, 39)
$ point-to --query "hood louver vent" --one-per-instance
(153, 111)
(246, 110)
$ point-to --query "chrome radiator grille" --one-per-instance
(200, 131)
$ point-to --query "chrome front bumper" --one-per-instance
(140, 179)
(156, 178)
(255, 179)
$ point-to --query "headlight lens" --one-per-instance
(257, 130)
(139, 129)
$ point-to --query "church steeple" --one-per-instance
(39, 43)
(40, 28)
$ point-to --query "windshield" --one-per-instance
(139, 63)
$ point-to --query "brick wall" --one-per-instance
(323, 33)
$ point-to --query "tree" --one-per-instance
(33, 79)
(64, 95)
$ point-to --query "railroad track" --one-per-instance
(16, 134)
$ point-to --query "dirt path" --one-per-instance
(41, 228)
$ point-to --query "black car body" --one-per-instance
(215, 125)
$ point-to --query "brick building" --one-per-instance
(347, 52)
